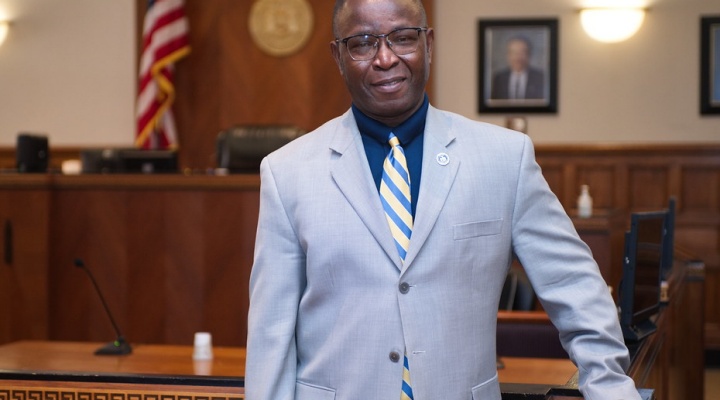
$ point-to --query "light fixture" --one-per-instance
(4, 27)
(611, 24)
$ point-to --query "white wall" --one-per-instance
(67, 69)
(643, 90)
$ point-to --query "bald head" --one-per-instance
(340, 6)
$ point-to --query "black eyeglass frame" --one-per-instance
(379, 37)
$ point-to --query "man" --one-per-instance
(519, 80)
(343, 296)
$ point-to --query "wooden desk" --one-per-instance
(162, 370)
(77, 357)
(52, 370)
(555, 372)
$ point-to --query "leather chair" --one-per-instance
(526, 332)
(242, 148)
(517, 294)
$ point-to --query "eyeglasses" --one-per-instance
(365, 46)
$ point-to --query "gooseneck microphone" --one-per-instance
(119, 346)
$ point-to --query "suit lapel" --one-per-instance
(352, 176)
(437, 179)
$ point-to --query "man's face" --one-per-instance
(518, 55)
(388, 88)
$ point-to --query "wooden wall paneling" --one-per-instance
(712, 308)
(553, 174)
(648, 187)
(185, 280)
(148, 281)
(569, 195)
(24, 221)
(700, 188)
(304, 88)
(699, 232)
(643, 178)
(170, 262)
(675, 179)
(30, 224)
(228, 261)
(208, 248)
(199, 84)
(600, 178)
(620, 183)
(88, 225)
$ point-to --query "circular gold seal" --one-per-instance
(280, 27)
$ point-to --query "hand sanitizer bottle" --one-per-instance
(584, 203)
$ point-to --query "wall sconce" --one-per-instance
(611, 24)
(4, 27)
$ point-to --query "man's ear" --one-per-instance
(335, 50)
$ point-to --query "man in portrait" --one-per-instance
(518, 80)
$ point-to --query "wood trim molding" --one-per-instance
(29, 390)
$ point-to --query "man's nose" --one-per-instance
(385, 57)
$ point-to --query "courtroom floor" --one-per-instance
(712, 383)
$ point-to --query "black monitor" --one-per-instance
(148, 161)
(648, 258)
(128, 161)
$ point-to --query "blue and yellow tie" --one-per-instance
(395, 196)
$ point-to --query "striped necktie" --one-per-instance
(395, 196)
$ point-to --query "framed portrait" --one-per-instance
(710, 65)
(518, 65)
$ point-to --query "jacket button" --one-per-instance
(394, 356)
(404, 288)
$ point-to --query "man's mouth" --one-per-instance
(389, 83)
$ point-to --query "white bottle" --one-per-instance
(584, 203)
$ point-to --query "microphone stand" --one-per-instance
(119, 346)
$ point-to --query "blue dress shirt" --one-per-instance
(410, 133)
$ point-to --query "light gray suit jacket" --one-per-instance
(331, 305)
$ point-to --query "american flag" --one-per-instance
(165, 41)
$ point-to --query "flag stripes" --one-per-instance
(165, 41)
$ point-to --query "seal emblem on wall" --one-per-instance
(281, 27)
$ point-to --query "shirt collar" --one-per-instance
(405, 132)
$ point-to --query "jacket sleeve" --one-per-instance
(277, 281)
(569, 285)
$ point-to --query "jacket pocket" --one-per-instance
(304, 391)
(478, 228)
(488, 390)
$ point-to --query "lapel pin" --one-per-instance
(442, 159)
